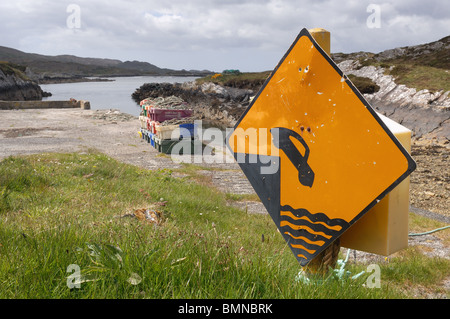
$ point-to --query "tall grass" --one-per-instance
(64, 210)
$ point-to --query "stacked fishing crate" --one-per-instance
(166, 122)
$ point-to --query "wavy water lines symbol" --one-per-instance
(308, 232)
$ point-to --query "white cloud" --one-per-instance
(245, 34)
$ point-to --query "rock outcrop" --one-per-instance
(14, 87)
(219, 105)
(426, 113)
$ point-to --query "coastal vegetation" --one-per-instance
(254, 81)
(419, 76)
(63, 213)
(244, 80)
(15, 84)
(424, 66)
(14, 69)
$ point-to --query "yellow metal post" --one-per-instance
(322, 37)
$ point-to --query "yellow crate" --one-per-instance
(168, 132)
(143, 121)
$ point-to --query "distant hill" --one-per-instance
(42, 68)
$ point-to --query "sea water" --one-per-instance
(115, 94)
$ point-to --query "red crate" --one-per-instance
(161, 115)
(153, 126)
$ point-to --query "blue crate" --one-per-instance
(145, 135)
(149, 137)
(152, 139)
(191, 127)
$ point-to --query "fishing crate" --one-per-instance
(161, 115)
(143, 121)
(167, 132)
(179, 147)
(179, 131)
(151, 138)
(191, 130)
(148, 136)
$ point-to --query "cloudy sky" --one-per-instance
(250, 35)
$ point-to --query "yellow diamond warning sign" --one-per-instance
(314, 150)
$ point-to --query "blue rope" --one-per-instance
(340, 273)
(429, 232)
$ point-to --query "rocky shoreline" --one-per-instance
(74, 79)
(425, 113)
(16, 88)
(220, 106)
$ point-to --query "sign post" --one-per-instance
(316, 153)
(329, 256)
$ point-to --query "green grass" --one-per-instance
(60, 210)
(421, 77)
(14, 69)
(245, 80)
(254, 80)
(363, 84)
(425, 71)
(415, 74)
(242, 197)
